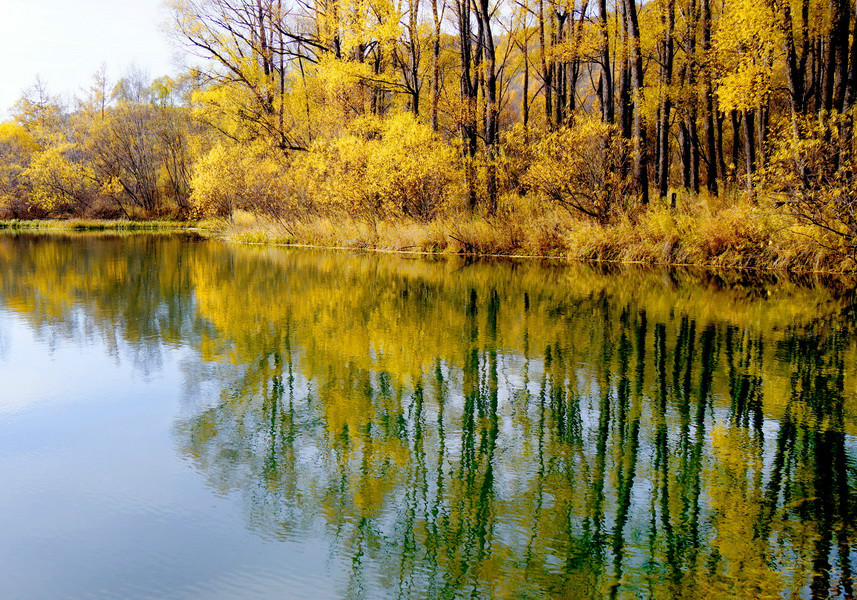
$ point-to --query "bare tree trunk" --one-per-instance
(435, 66)
(547, 68)
(468, 97)
(735, 117)
(710, 140)
(414, 51)
(851, 87)
(559, 72)
(761, 135)
(641, 158)
(484, 15)
(688, 147)
(685, 145)
(606, 95)
(572, 68)
(666, 104)
(721, 160)
(526, 93)
(694, 151)
(749, 146)
(625, 112)
(839, 41)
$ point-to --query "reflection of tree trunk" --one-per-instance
(688, 470)
(416, 495)
(843, 508)
(779, 481)
(491, 333)
(661, 464)
(628, 442)
(434, 536)
(815, 444)
(470, 385)
(694, 469)
(841, 465)
(825, 482)
(599, 472)
(540, 480)
(823, 382)
(602, 433)
(484, 520)
(745, 381)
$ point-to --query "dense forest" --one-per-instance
(714, 132)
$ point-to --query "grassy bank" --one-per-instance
(702, 231)
(705, 232)
(92, 225)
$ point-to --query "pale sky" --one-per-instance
(66, 41)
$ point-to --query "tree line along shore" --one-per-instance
(716, 133)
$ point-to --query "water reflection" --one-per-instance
(101, 290)
(492, 430)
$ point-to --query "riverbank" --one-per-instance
(92, 225)
(706, 233)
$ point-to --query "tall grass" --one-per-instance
(705, 231)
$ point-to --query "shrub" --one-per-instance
(247, 177)
(60, 183)
(812, 174)
(17, 147)
(379, 168)
(577, 167)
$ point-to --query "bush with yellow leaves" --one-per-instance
(813, 174)
(17, 147)
(579, 168)
(412, 167)
(381, 167)
(60, 182)
(240, 176)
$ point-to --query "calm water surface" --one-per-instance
(184, 419)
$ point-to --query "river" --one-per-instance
(181, 418)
